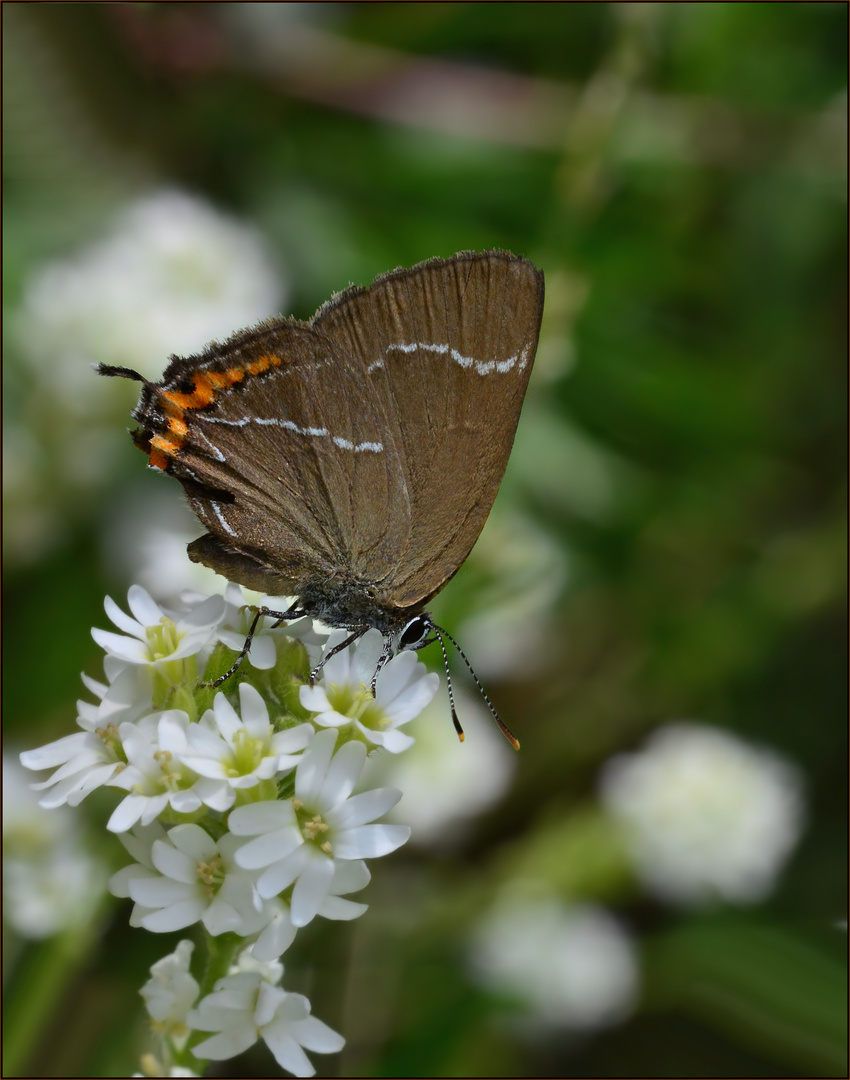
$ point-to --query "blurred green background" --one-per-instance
(669, 542)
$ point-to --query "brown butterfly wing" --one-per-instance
(286, 466)
(448, 348)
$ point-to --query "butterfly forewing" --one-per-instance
(448, 347)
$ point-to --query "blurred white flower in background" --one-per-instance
(173, 274)
(571, 966)
(707, 817)
(446, 785)
(50, 882)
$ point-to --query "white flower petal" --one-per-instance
(221, 918)
(263, 817)
(125, 648)
(414, 699)
(364, 657)
(145, 610)
(292, 739)
(255, 713)
(341, 910)
(287, 1053)
(268, 848)
(313, 766)
(54, 753)
(361, 809)
(343, 773)
(350, 876)
(123, 621)
(159, 892)
(216, 794)
(332, 719)
(277, 936)
(184, 802)
(128, 812)
(226, 718)
(176, 917)
(318, 1037)
(119, 883)
(236, 1040)
(314, 698)
(174, 864)
(204, 616)
(194, 841)
(391, 740)
(281, 875)
(370, 841)
(262, 654)
(311, 889)
(396, 676)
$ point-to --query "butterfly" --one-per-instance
(351, 461)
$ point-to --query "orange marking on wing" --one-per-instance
(207, 383)
(165, 446)
(178, 426)
(204, 391)
(158, 460)
(202, 395)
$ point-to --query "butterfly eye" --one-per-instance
(416, 633)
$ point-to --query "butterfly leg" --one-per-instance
(356, 633)
(293, 612)
(382, 659)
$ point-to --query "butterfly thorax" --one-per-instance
(353, 605)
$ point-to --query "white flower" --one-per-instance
(155, 636)
(171, 991)
(155, 776)
(300, 841)
(244, 1008)
(50, 881)
(572, 967)
(239, 753)
(706, 816)
(196, 880)
(343, 696)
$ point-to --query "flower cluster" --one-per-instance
(238, 805)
